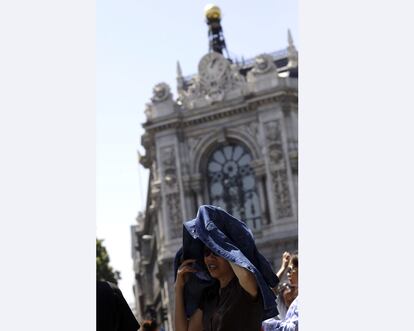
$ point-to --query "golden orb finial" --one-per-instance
(212, 12)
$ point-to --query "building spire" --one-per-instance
(179, 71)
(292, 52)
(290, 39)
(180, 78)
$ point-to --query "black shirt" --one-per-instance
(231, 308)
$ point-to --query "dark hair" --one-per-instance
(294, 259)
(149, 325)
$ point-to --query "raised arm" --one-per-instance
(246, 279)
(181, 322)
(283, 266)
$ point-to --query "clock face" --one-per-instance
(212, 67)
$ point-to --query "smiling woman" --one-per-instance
(235, 301)
(221, 306)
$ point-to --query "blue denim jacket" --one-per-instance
(231, 239)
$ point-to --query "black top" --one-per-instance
(231, 308)
(112, 311)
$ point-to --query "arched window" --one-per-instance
(232, 185)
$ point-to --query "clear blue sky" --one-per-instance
(138, 45)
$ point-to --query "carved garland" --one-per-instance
(214, 91)
(278, 169)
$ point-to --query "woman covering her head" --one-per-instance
(222, 282)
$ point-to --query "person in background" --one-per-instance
(149, 325)
(112, 311)
(291, 320)
(286, 292)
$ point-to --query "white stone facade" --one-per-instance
(229, 108)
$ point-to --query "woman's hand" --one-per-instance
(181, 322)
(284, 265)
(185, 268)
(285, 259)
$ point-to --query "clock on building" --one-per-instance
(212, 68)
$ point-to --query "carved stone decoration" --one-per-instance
(236, 80)
(193, 142)
(276, 154)
(215, 95)
(170, 177)
(161, 92)
(263, 76)
(217, 80)
(194, 89)
(146, 140)
(174, 214)
(140, 220)
(169, 171)
(168, 157)
(155, 196)
(148, 111)
(278, 170)
(144, 160)
(263, 64)
(147, 159)
(272, 131)
(146, 241)
(171, 190)
(281, 188)
(252, 129)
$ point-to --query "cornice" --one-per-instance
(212, 113)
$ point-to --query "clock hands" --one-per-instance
(212, 63)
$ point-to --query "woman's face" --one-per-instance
(216, 265)
(292, 274)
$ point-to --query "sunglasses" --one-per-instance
(291, 270)
(207, 252)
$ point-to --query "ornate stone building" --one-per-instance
(229, 139)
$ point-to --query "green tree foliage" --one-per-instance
(103, 269)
